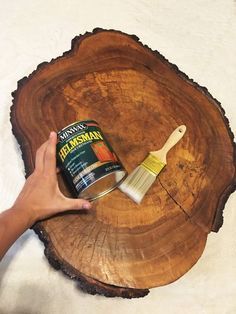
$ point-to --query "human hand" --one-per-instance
(41, 197)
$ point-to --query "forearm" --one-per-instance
(40, 198)
(13, 222)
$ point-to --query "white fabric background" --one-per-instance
(200, 37)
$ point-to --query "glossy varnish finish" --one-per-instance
(138, 98)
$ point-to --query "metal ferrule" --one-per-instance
(153, 165)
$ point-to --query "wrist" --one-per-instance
(25, 215)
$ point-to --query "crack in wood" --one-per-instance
(174, 200)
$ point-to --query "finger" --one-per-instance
(70, 203)
(50, 154)
(39, 158)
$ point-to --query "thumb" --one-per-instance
(71, 203)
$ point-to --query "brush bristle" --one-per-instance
(137, 184)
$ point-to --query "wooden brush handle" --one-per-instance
(173, 139)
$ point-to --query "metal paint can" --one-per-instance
(89, 164)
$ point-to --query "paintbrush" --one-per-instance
(140, 180)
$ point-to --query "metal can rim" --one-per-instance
(82, 121)
(108, 190)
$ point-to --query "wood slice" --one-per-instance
(138, 98)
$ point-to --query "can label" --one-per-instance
(85, 155)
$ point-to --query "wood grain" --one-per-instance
(138, 98)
